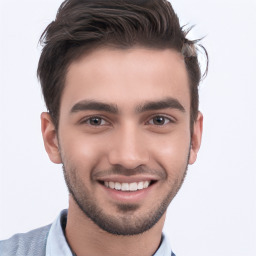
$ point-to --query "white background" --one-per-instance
(215, 211)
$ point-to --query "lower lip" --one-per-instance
(128, 197)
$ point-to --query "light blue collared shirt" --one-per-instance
(57, 244)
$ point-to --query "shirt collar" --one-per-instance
(57, 243)
(164, 248)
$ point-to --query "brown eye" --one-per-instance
(95, 121)
(159, 120)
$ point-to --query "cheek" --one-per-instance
(172, 153)
(81, 150)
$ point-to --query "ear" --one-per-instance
(50, 138)
(196, 138)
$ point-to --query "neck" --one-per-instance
(86, 238)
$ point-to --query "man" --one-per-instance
(120, 81)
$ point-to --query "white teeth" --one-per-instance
(111, 184)
(125, 187)
(140, 185)
(145, 184)
(134, 186)
(118, 186)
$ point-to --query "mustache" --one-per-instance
(119, 170)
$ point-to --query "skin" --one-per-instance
(127, 144)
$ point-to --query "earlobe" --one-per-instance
(50, 138)
(196, 138)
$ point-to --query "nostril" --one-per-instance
(126, 160)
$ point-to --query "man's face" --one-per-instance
(124, 135)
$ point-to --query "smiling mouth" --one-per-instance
(127, 187)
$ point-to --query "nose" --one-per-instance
(128, 149)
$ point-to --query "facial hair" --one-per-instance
(127, 223)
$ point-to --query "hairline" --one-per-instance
(87, 49)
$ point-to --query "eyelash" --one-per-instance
(167, 120)
(87, 121)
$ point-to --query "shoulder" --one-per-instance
(31, 243)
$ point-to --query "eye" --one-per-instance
(159, 120)
(95, 121)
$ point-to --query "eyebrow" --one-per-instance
(94, 105)
(113, 109)
(162, 104)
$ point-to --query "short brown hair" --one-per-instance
(82, 25)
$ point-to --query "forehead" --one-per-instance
(126, 77)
